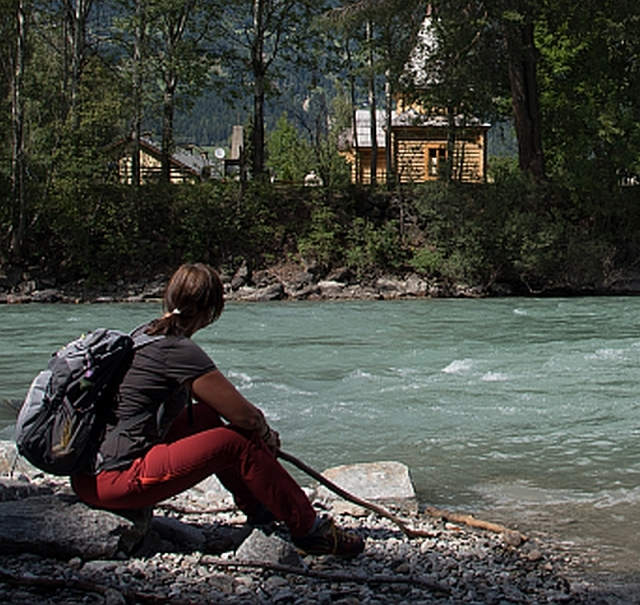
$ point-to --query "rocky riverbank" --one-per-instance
(197, 548)
(281, 282)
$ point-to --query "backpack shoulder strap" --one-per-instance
(141, 338)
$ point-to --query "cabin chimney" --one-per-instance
(237, 136)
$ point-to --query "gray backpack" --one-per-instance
(62, 420)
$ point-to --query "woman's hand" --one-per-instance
(271, 439)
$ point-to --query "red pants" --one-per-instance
(189, 454)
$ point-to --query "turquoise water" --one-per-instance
(524, 410)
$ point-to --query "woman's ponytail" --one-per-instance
(194, 297)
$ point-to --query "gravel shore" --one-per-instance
(195, 552)
(453, 564)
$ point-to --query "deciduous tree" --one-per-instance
(478, 47)
(590, 81)
(259, 41)
(131, 32)
(177, 30)
(76, 13)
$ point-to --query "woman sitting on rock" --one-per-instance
(158, 444)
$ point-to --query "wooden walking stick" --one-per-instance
(411, 533)
(515, 536)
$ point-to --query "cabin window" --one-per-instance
(436, 160)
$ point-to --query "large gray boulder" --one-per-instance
(61, 526)
(383, 483)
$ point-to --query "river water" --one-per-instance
(523, 411)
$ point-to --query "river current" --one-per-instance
(523, 411)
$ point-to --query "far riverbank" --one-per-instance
(288, 282)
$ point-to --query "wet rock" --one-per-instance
(268, 293)
(394, 287)
(49, 295)
(308, 292)
(17, 299)
(330, 289)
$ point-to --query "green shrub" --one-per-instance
(537, 237)
(427, 261)
(321, 242)
(371, 249)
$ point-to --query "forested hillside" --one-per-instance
(209, 121)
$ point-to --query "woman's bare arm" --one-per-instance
(215, 390)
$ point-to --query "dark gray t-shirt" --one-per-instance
(153, 393)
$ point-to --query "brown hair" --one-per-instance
(193, 298)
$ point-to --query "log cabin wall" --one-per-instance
(421, 154)
(363, 174)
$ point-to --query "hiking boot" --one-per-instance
(132, 538)
(329, 539)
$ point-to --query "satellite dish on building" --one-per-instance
(219, 153)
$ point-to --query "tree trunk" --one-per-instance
(18, 160)
(168, 108)
(354, 117)
(77, 32)
(259, 70)
(175, 26)
(373, 125)
(524, 93)
(449, 164)
(388, 156)
(137, 92)
(258, 126)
